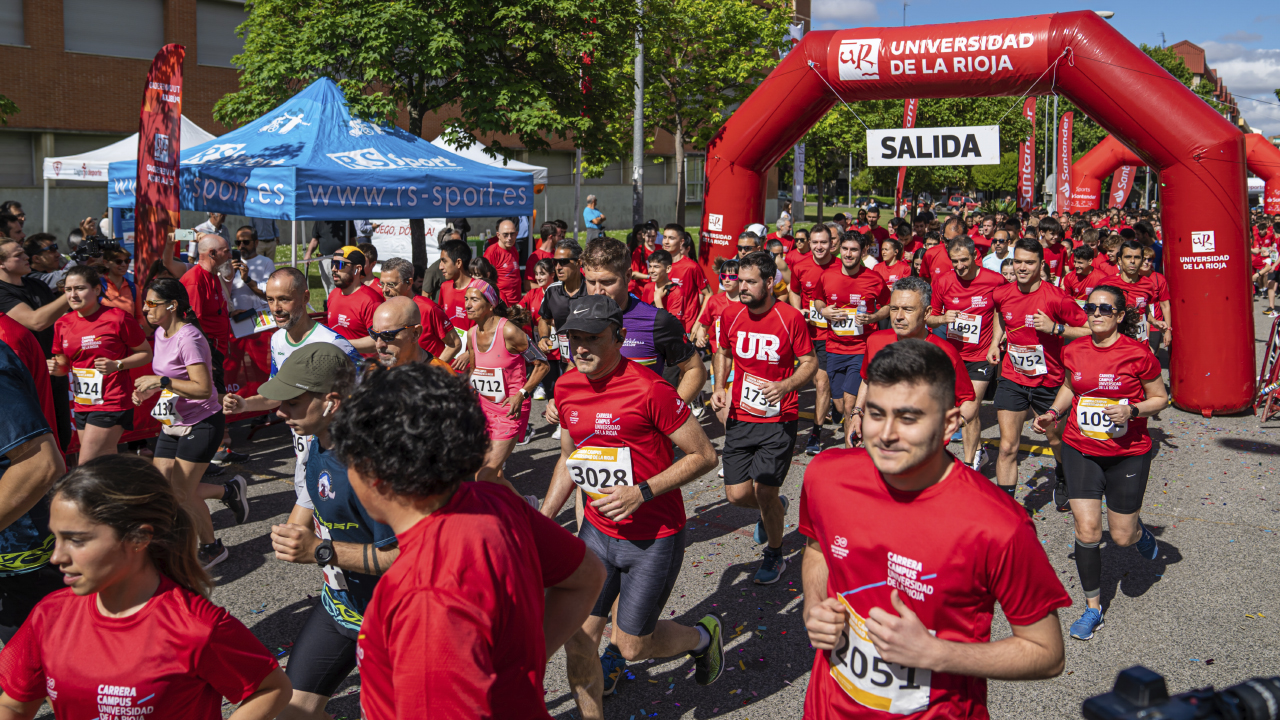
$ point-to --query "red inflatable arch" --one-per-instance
(1199, 154)
(1261, 158)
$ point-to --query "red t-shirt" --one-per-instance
(982, 244)
(879, 233)
(1079, 288)
(787, 241)
(838, 290)
(712, 314)
(507, 262)
(24, 344)
(178, 656)
(451, 300)
(108, 333)
(952, 551)
(892, 273)
(640, 264)
(1140, 295)
(634, 408)
(209, 302)
(794, 256)
(1057, 257)
(351, 315)
(673, 302)
(376, 285)
(936, 261)
(1162, 293)
(1039, 352)
(975, 297)
(689, 276)
(964, 386)
(764, 347)
(1116, 372)
(806, 282)
(531, 264)
(454, 629)
(910, 247)
(1103, 263)
(434, 325)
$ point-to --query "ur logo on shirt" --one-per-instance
(760, 346)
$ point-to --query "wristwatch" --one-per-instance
(646, 492)
(166, 382)
(325, 553)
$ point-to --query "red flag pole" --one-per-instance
(157, 210)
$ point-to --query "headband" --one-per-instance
(490, 295)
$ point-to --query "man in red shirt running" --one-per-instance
(1140, 292)
(768, 346)
(898, 626)
(620, 422)
(497, 587)
(1084, 277)
(686, 273)
(937, 259)
(506, 260)
(964, 302)
(455, 256)
(783, 234)
(1034, 318)
(351, 304)
(803, 291)
(1056, 254)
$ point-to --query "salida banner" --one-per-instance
(1027, 160)
(978, 145)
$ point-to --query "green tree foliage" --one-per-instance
(7, 108)
(1002, 178)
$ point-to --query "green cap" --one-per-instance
(312, 368)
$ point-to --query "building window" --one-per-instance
(216, 23)
(11, 32)
(119, 28)
(694, 177)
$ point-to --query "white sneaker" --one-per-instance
(556, 435)
(528, 434)
(699, 410)
(721, 473)
(539, 393)
(979, 458)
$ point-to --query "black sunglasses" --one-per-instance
(1104, 309)
(746, 247)
(385, 336)
(564, 262)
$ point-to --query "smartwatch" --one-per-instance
(325, 553)
(646, 492)
(166, 382)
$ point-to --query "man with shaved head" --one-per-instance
(437, 337)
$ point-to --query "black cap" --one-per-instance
(592, 314)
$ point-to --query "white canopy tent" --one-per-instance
(475, 151)
(92, 166)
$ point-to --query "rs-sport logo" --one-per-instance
(371, 159)
(215, 152)
(859, 59)
(757, 345)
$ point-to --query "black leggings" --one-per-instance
(323, 655)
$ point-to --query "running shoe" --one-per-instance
(771, 568)
(1061, 502)
(708, 666)
(1146, 544)
(212, 554)
(979, 458)
(539, 393)
(556, 435)
(699, 410)
(815, 441)
(528, 434)
(760, 536)
(1269, 312)
(226, 456)
(612, 664)
(721, 473)
(213, 470)
(957, 436)
(235, 495)
(1087, 625)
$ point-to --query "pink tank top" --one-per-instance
(498, 372)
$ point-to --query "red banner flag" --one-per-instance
(1271, 196)
(908, 122)
(1027, 160)
(1121, 185)
(156, 211)
(1064, 162)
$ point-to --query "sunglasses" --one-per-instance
(564, 262)
(386, 336)
(728, 278)
(246, 242)
(1104, 309)
(153, 304)
(121, 260)
(342, 264)
(746, 248)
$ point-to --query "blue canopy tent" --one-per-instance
(309, 159)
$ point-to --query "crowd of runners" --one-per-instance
(405, 400)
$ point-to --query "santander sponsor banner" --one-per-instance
(1121, 185)
(1064, 161)
(908, 121)
(1271, 197)
(1027, 160)
(913, 61)
(159, 143)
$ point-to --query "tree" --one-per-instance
(7, 108)
(532, 69)
(998, 178)
(698, 66)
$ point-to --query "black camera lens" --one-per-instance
(1256, 699)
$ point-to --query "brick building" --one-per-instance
(1193, 56)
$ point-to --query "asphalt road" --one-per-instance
(1212, 501)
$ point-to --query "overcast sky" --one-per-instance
(1241, 39)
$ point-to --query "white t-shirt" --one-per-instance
(242, 298)
(993, 263)
(281, 349)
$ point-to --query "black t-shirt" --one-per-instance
(555, 302)
(36, 295)
(332, 235)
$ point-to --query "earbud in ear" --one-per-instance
(328, 408)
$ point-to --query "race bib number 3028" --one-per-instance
(595, 468)
(873, 681)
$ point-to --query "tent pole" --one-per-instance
(44, 223)
(293, 226)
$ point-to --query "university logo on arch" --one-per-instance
(859, 59)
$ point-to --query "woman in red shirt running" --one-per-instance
(498, 374)
(1111, 386)
(97, 346)
(134, 629)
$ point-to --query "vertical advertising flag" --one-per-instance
(908, 122)
(1122, 185)
(1064, 162)
(1027, 160)
(156, 211)
(1271, 196)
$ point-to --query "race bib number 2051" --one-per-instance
(870, 679)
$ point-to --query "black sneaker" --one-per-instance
(212, 554)
(1060, 500)
(226, 456)
(235, 495)
(814, 446)
(709, 665)
(213, 471)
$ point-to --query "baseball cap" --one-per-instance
(351, 253)
(592, 314)
(312, 368)
(758, 229)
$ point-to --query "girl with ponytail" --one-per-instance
(135, 621)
